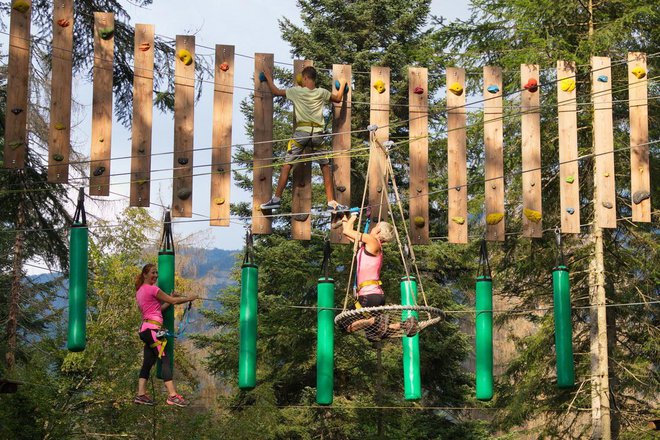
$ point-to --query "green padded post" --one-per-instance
(78, 259)
(166, 284)
(484, 338)
(325, 341)
(412, 383)
(247, 355)
(563, 329)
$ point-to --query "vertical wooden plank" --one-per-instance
(301, 202)
(341, 145)
(380, 116)
(418, 100)
(101, 148)
(263, 145)
(59, 138)
(223, 101)
(494, 143)
(17, 88)
(143, 86)
(605, 196)
(531, 151)
(456, 155)
(640, 175)
(184, 126)
(569, 183)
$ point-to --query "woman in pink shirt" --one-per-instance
(152, 301)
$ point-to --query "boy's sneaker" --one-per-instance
(335, 206)
(144, 400)
(273, 203)
(177, 400)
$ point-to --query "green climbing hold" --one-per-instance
(459, 220)
(184, 193)
(106, 33)
(570, 179)
(58, 157)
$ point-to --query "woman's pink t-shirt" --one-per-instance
(149, 305)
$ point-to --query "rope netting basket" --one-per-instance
(389, 321)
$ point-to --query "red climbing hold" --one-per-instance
(418, 90)
(532, 85)
(63, 22)
(145, 47)
(224, 67)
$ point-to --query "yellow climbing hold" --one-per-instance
(379, 86)
(185, 56)
(494, 218)
(639, 72)
(419, 221)
(456, 89)
(218, 200)
(459, 220)
(532, 215)
(299, 79)
(21, 5)
(59, 126)
(567, 84)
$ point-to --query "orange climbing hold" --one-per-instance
(185, 56)
(532, 85)
(224, 67)
(145, 46)
(456, 89)
(63, 22)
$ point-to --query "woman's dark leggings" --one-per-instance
(151, 356)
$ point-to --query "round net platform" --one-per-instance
(389, 321)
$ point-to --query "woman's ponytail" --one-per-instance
(139, 281)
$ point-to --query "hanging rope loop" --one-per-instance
(248, 258)
(560, 249)
(80, 217)
(167, 241)
(484, 264)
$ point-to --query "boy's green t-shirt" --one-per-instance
(308, 105)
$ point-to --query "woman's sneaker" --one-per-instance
(144, 400)
(177, 400)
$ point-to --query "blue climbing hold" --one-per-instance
(337, 84)
(262, 76)
(603, 78)
(571, 211)
(493, 89)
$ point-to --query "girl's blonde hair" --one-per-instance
(139, 281)
(386, 233)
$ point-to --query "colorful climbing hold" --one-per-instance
(602, 78)
(532, 85)
(63, 22)
(341, 188)
(145, 46)
(58, 157)
(59, 126)
(494, 218)
(570, 179)
(456, 89)
(532, 215)
(608, 205)
(16, 110)
(639, 72)
(570, 211)
(299, 79)
(183, 161)
(108, 33)
(606, 174)
(101, 140)
(262, 77)
(567, 84)
(640, 196)
(419, 221)
(379, 86)
(301, 217)
(184, 193)
(219, 200)
(337, 84)
(224, 67)
(459, 220)
(185, 57)
(493, 89)
(15, 145)
(98, 171)
(418, 90)
(21, 6)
